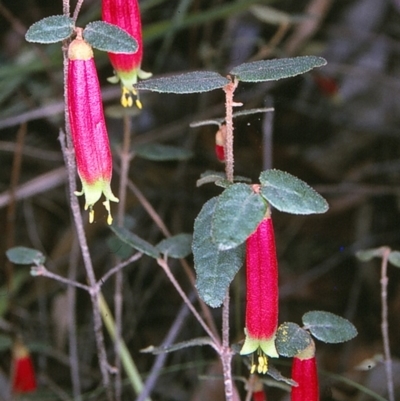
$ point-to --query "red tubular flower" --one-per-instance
(259, 396)
(126, 15)
(23, 373)
(304, 372)
(88, 127)
(220, 143)
(261, 295)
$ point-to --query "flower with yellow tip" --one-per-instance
(261, 296)
(88, 127)
(126, 15)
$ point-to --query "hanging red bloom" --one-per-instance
(259, 396)
(23, 378)
(126, 15)
(261, 295)
(88, 127)
(304, 372)
(257, 388)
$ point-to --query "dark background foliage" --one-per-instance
(336, 128)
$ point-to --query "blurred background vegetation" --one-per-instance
(336, 128)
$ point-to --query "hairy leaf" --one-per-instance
(238, 212)
(273, 70)
(50, 29)
(109, 38)
(190, 82)
(215, 269)
(328, 327)
(289, 194)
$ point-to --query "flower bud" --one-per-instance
(126, 15)
(88, 127)
(304, 373)
(23, 378)
(220, 143)
(261, 295)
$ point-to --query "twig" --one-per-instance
(125, 157)
(163, 263)
(72, 337)
(11, 210)
(126, 358)
(42, 271)
(226, 354)
(77, 9)
(160, 224)
(66, 7)
(159, 362)
(118, 267)
(384, 325)
(229, 90)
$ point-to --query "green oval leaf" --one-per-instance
(368, 254)
(109, 38)
(394, 258)
(215, 269)
(178, 246)
(291, 339)
(50, 29)
(159, 152)
(273, 70)
(25, 256)
(238, 212)
(135, 242)
(190, 82)
(328, 327)
(119, 247)
(289, 194)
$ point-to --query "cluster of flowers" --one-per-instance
(262, 315)
(85, 110)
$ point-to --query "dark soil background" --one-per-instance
(336, 128)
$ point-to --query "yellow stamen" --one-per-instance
(126, 98)
(91, 215)
(108, 208)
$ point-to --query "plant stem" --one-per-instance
(125, 157)
(226, 352)
(159, 362)
(384, 324)
(126, 358)
(72, 336)
(164, 265)
(118, 267)
(42, 271)
(77, 9)
(66, 7)
(229, 90)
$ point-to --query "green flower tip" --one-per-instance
(259, 348)
(128, 80)
(93, 193)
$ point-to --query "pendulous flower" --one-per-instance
(88, 127)
(126, 15)
(304, 372)
(261, 295)
(23, 378)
